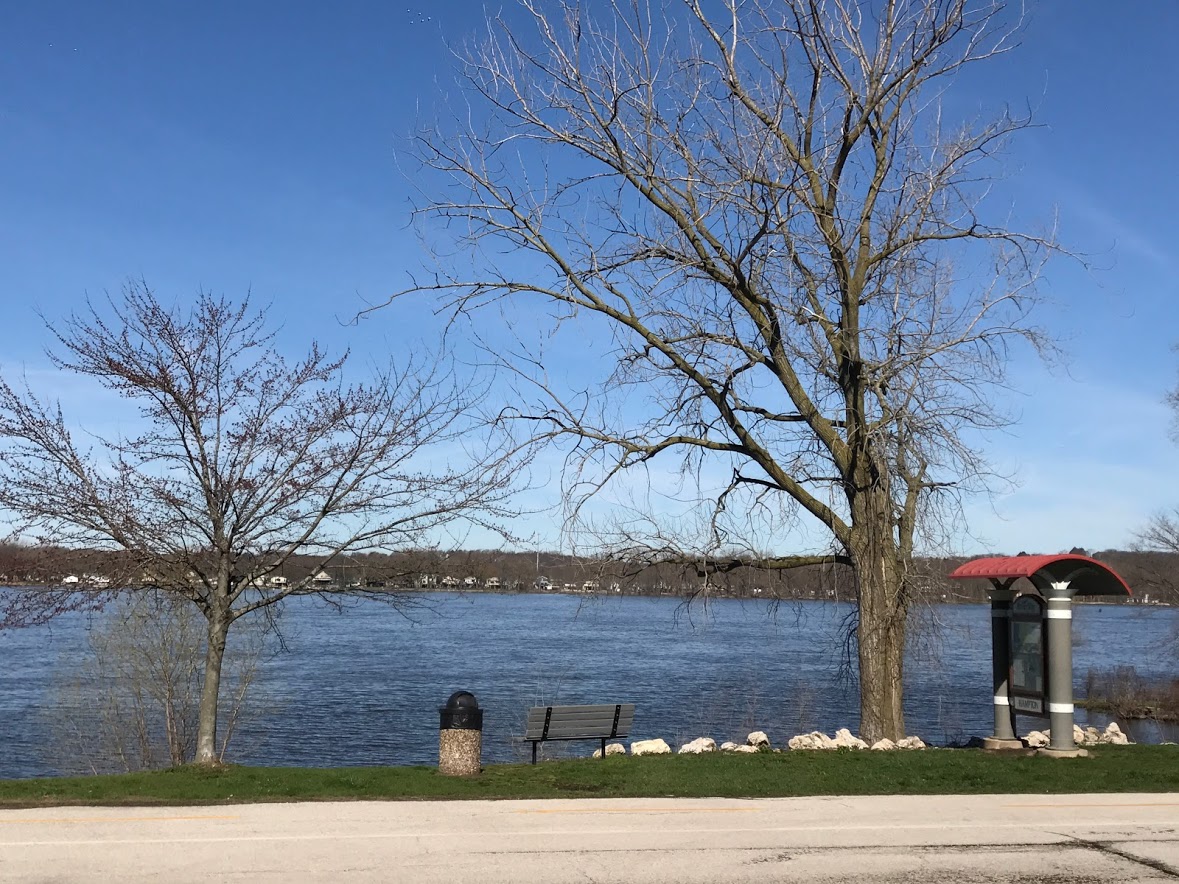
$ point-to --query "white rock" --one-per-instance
(885, 745)
(1078, 735)
(802, 741)
(753, 749)
(1038, 739)
(1114, 736)
(698, 746)
(910, 743)
(1092, 737)
(757, 739)
(728, 746)
(611, 749)
(845, 740)
(813, 740)
(650, 747)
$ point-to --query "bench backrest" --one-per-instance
(580, 722)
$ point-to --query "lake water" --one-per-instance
(362, 685)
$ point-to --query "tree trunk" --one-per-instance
(172, 725)
(881, 641)
(206, 748)
(880, 574)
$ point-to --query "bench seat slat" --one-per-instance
(601, 733)
(602, 728)
(587, 721)
(599, 721)
(580, 716)
(538, 712)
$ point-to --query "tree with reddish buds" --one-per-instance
(241, 461)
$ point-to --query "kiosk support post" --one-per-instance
(1001, 595)
(1060, 666)
(1004, 736)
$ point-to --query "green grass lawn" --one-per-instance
(932, 772)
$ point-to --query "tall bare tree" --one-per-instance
(765, 203)
(1161, 534)
(244, 460)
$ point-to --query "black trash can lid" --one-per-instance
(460, 700)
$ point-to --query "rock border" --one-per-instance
(758, 741)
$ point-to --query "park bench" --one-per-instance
(603, 722)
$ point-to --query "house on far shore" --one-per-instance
(95, 580)
(321, 578)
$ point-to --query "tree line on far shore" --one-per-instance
(1152, 575)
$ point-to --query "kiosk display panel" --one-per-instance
(1028, 657)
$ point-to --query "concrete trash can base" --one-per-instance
(459, 753)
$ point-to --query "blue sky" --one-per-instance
(255, 145)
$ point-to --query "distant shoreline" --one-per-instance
(684, 594)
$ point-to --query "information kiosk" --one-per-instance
(1031, 638)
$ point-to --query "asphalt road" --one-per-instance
(1024, 838)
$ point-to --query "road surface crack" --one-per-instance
(1108, 848)
(779, 857)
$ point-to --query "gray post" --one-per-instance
(1004, 736)
(1060, 668)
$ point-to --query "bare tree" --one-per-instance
(1161, 534)
(764, 203)
(245, 460)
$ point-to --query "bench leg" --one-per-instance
(534, 751)
(603, 748)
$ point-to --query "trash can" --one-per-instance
(460, 735)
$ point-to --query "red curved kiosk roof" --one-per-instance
(1087, 576)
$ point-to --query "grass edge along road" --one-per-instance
(762, 775)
